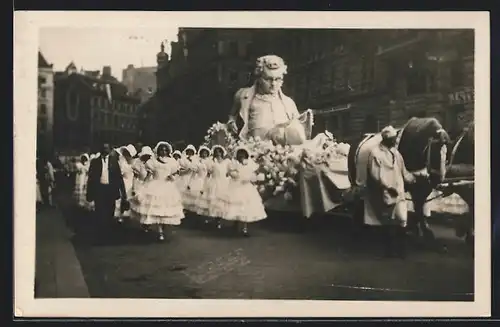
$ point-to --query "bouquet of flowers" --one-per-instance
(277, 169)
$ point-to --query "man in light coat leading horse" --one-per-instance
(385, 202)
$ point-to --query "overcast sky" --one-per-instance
(92, 48)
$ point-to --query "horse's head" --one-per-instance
(424, 144)
(436, 152)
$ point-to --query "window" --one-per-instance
(43, 109)
(43, 93)
(345, 124)
(367, 71)
(333, 74)
(371, 124)
(42, 125)
(41, 80)
(249, 50)
(457, 74)
(416, 81)
(220, 47)
(233, 48)
(332, 123)
(233, 76)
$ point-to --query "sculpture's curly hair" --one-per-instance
(269, 62)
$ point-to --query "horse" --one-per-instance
(413, 144)
(460, 167)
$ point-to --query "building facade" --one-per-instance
(140, 81)
(45, 112)
(90, 110)
(430, 73)
(356, 81)
(197, 83)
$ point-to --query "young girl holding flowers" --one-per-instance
(242, 201)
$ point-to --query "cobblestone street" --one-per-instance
(277, 262)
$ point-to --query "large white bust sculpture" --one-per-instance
(266, 112)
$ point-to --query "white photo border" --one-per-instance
(26, 33)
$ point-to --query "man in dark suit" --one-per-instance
(105, 183)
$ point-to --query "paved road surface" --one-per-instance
(277, 262)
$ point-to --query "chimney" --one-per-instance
(106, 71)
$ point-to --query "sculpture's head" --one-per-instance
(270, 71)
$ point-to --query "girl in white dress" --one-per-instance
(158, 201)
(177, 155)
(125, 161)
(242, 201)
(139, 168)
(215, 189)
(197, 182)
(140, 175)
(188, 164)
(80, 191)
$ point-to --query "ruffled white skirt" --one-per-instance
(192, 197)
(212, 202)
(157, 202)
(242, 202)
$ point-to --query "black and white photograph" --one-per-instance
(214, 156)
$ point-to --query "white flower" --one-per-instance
(261, 177)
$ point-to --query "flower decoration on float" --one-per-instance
(218, 133)
(279, 166)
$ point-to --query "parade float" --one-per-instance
(301, 173)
